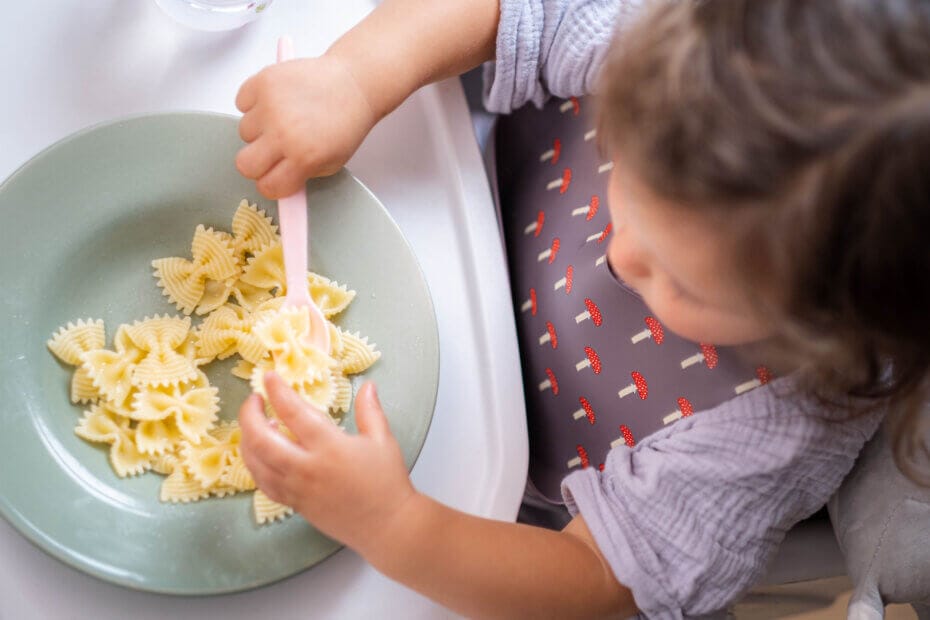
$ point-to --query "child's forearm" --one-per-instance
(405, 44)
(484, 568)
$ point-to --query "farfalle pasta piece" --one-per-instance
(210, 463)
(161, 338)
(124, 409)
(342, 394)
(184, 281)
(266, 510)
(189, 348)
(252, 229)
(265, 270)
(335, 340)
(205, 462)
(285, 334)
(218, 293)
(329, 296)
(356, 354)
(101, 424)
(157, 437)
(227, 432)
(215, 294)
(237, 476)
(223, 491)
(248, 296)
(69, 344)
(319, 393)
(243, 370)
(218, 336)
(111, 372)
(266, 309)
(167, 413)
(284, 331)
(165, 463)
(227, 331)
(71, 341)
(82, 387)
(181, 487)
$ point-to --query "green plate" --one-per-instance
(80, 224)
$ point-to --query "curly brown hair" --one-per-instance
(807, 125)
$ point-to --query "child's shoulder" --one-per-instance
(776, 422)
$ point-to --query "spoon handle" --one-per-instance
(292, 212)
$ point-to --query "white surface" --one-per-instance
(84, 62)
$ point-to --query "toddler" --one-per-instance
(767, 188)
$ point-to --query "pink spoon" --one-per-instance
(292, 213)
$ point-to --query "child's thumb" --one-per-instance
(369, 416)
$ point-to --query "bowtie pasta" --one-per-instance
(149, 400)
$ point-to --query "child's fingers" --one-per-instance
(264, 444)
(298, 415)
(250, 126)
(247, 95)
(369, 415)
(264, 476)
(257, 158)
(283, 179)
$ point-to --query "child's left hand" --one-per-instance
(349, 486)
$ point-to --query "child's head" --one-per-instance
(773, 180)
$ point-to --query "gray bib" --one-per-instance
(598, 369)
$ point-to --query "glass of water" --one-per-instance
(214, 14)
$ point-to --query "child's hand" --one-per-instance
(349, 486)
(303, 118)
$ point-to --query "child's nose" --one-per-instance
(627, 261)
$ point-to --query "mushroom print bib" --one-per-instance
(598, 369)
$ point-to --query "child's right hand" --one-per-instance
(302, 118)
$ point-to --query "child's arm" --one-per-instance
(307, 117)
(356, 489)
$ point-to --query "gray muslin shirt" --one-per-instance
(550, 47)
(690, 516)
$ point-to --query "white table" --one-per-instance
(68, 64)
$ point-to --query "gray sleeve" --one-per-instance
(550, 47)
(689, 518)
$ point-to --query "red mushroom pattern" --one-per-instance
(593, 207)
(566, 281)
(550, 336)
(627, 435)
(554, 249)
(594, 311)
(550, 383)
(593, 360)
(708, 355)
(552, 155)
(653, 330)
(639, 386)
(586, 411)
(763, 374)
